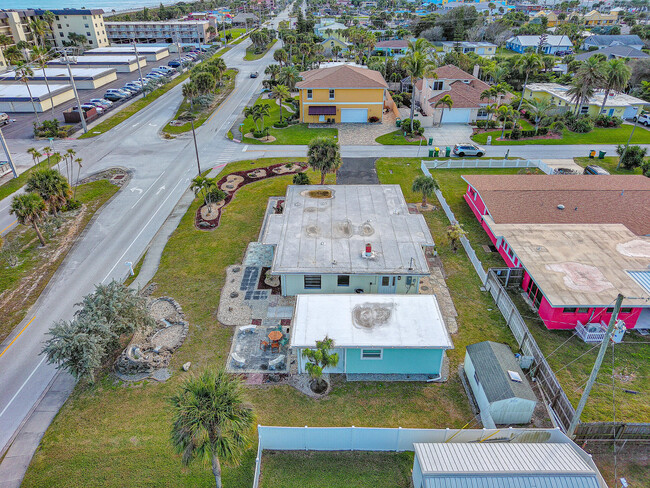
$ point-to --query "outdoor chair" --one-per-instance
(264, 345)
(284, 341)
(275, 347)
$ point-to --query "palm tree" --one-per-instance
(589, 77)
(539, 108)
(318, 359)
(76, 183)
(280, 92)
(13, 55)
(40, 57)
(504, 111)
(289, 76)
(290, 41)
(336, 50)
(417, 64)
(211, 420)
(445, 101)
(273, 70)
(324, 155)
(51, 186)
(498, 73)
(39, 28)
(29, 209)
(190, 92)
(455, 233)
(281, 56)
(23, 73)
(263, 111)
(527, 63)
(616, 76)
(425, 185)
(254, 113)
(5, 41)
(33, 152)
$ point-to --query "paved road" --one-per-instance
(162, 170)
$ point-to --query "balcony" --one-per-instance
(591, 332)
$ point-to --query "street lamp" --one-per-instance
(137, 61)
(82, 115)
(196, 148)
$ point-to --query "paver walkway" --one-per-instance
(362, 134)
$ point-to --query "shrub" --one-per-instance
(557, 126)
(633, 156)
(301, 179)
(417, 127)
(607, 121)
(281, 125)
(374, 119)
(49, 128)
(258, 134)
(71, 205)
(481, 124)
(516, 133)
(508, 125)
(582, 126)
(492, 124)
(203, 101)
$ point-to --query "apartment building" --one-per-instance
(89, 23)
(158, 32)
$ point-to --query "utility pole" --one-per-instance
(628, 141)
(6, 149)
(196, 148)
(137, 60)
(82, 114)
(594, 372)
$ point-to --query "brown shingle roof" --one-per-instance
(393, 44)
(463, 95)
(451, 72)
(587, 199)
(343, 76)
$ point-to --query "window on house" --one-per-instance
(372, 353)
(312, 282)
(331, 94)
(511, 253)
(569, 310)
(626, 310)
(534, 293)
(584, 109)
(88, 34)
(86, 25)
(58, 25)
(583, 310)
(437, 85)
(481, 112)
(476, 378)
(310, 94)
(57, 18)
(84, 17)
(61, 34)
(343, 280)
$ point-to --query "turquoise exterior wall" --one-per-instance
(294, 284)
(396, 361)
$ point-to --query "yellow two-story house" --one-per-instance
(617, 104)
(341, 94)
(597, 18)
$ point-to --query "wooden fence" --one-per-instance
(610, 431)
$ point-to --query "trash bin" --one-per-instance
(430, 153)
(436, 152)
(447, 151)
(430, 141)
(592, 154)
(601, 155)
(398, 122)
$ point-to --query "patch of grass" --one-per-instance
(43, 261)
(241, 39)
(299, 134)
(396, 138)
(251, 55)
(617, 135)
(234, 32)
(136, 271)
(138, 105)
(16, 184)
(200, 114)
(609, 163)
(295, 469)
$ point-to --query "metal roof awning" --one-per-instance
(322, 110)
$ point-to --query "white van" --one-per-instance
(4, 119)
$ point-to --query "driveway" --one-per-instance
(364, 134)
(357, 171)
(449, 134)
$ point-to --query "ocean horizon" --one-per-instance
(106, 5)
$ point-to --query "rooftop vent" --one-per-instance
(514, 376)
(368, 253)
(560, 206)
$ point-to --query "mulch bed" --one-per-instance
(261, 284)
(249, 177)
(476, 130)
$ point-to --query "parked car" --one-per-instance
(98, 104)
(564, 53)
(86, 107)
(468, 149)
(174, 64)
(113, 97)
(594, 169)
(4, 118)
(108, 103)
(164, 69)
(643, 119)
(131, 91)
(254, 74)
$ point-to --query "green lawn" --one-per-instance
(36, 265)
(618, 135)
(17, 183)
(397, 138)
(202, 115)
(251, 55)
(241, 39)
(609, 163)
(295, 469)
(234, 32)
(138, 105)
(299, 134)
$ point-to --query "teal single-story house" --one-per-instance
(347, 239)
(400, 337)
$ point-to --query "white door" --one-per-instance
(456, 116)
(354, 115)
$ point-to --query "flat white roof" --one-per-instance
(501, 458)
(328, 235)
(126, 49)
(613, 100)
(57, 74)
(108, 60)
(18, 91)
(360, 320)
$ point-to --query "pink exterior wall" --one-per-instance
(553, 317)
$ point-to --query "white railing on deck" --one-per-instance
(485, 163)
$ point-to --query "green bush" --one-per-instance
(258, 134)
(634, 156)
(281, 125)
(516, 133)
(301, 179)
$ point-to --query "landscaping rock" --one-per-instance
(186, 366)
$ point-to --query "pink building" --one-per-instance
(580, 240)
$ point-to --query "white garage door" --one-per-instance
(456, 116)
(354, 115)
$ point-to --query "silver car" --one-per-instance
(468, 149)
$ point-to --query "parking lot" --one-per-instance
(22, 126)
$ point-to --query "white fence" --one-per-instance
(384, 439)
(485, 163)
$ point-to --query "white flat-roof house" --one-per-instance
(347, 239)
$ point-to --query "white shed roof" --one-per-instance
(105, 60)
(501, 459)
(19, 92)
(128, 49)
(360, 320)
(58, 74)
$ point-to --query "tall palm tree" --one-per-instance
(539, 108)
(289, 76)
(5, 41)
(13, 55)
(254, 113)
(498, 73)
(211, 422)
(589, 77)
(417, 63)
(281, 56)
(527, 63)
(505, 112)
(445, 101)
(425, 185)
(23, 73)
(40, 57)
(616, 76)
(263, 111)
(29, 208)
(51, 186)
(39, 28)
(273, 70)
(280, 92)
(190, 92)
(324, 155)
(33, 152)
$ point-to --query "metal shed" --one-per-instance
(499, 385)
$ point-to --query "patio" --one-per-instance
(249, 355)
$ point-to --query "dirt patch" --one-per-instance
(320, 194)
(210, 212)
(231, 183)
(262, 139)
(290, 168)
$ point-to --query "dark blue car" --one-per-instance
(174, 64)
